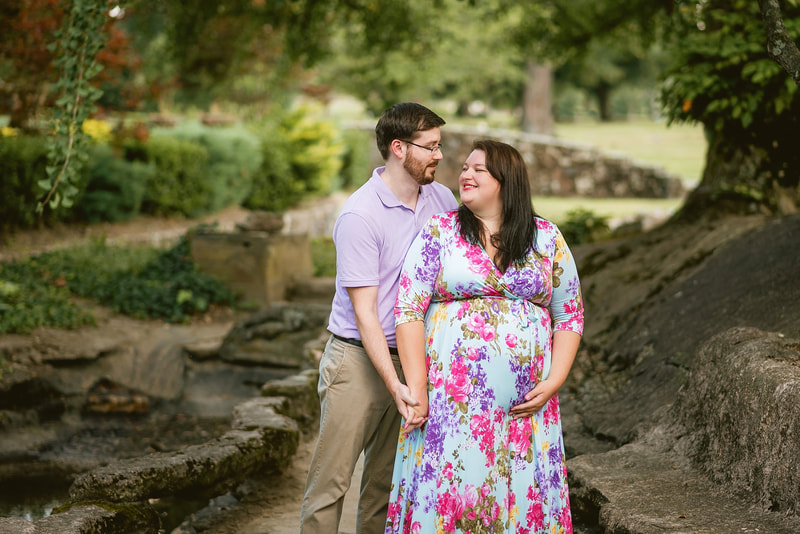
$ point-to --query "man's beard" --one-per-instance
(417, 169)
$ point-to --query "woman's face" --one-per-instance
(479, 190)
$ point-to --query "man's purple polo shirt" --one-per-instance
(372, 235)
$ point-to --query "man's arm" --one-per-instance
(365, 306)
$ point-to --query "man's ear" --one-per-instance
(397, 148)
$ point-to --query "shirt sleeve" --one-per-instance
(418, 277)
(566, 305)
(357, 251)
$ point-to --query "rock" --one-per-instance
(221, 462)
(108, 397)
(641, 488)
(262, 221)
(276, 336)
(739, 415)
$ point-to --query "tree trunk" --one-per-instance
(537, 109)
(749, 171)
(603, 94)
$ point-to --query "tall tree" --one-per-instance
(722, 76)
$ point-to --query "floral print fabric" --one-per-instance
(472, 468)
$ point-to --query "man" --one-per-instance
(361, 389)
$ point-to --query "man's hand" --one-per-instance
(404, 400)
(535, 399)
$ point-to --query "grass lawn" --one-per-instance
(679, 148)
(556, 208)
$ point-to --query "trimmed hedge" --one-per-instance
(181, 183)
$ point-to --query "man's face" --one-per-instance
(421, 163)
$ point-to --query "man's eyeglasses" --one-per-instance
(431, 149)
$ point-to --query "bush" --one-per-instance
(301, 156)
(141, 282)
(584, 226)
(23, 160)
(323, 256)
(356, 170)
(31, 297)
(234, 156)
(115, 187)
(181, 184)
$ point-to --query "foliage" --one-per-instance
(358, 146)
(300, 157)
(31, 297)
(25, 61)
(234, 156)
(721, 74)
(78, 42)
(181, 184)
(140, 282)
(323, 256)
(115, 187)
(22, 163)
(583, 226)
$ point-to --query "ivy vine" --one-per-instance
(76, 46)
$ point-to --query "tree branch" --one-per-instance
(780, 45)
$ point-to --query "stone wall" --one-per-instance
(556, 167)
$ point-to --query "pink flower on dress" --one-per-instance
(462, 309)
(476, 322)
(535, 515)
(519, 436)
(436, 377)
(485, 490)
(450, 506)
(470, 496)
(458, 385)
(511, 340)
(472, 353)
(416, 527)
(448, 471)
(488, 333)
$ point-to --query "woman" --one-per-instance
(489, 318)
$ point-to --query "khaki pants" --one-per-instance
(357, 414)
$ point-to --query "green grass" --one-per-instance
(680, 148)
(556, 208)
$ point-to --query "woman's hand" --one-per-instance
(535, 399)
(417, 415)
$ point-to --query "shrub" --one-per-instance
(22, 164)
(358, 146)
(584, 226)
(300, 157)
(234, 156)
(115, 187)
(181, 184)
(323, 256)
(31, 297)
(141, 282)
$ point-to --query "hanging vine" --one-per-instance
(76, 45)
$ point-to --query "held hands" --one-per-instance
(413, 410)
(535, 399)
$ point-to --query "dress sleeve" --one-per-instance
(418, 277)
(566, 305)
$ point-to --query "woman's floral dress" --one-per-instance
(472, 468)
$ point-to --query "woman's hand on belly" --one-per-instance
(535, 399)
